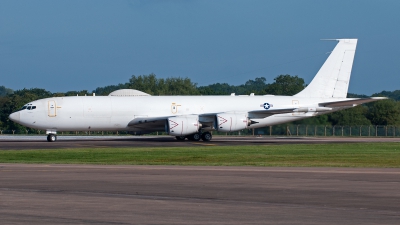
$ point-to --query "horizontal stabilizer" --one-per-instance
(351, 102)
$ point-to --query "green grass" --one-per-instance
(302, 155)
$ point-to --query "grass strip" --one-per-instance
(384, 155)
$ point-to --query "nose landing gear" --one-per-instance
(51, 137)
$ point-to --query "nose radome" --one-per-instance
(15, 117)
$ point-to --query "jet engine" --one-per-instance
(182, 125)
(227, 122)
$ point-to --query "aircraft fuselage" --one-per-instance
(113, 113)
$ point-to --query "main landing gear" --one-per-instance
(51, 137)
(205, 136)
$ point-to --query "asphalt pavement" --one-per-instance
(96, 194)
(17, 142)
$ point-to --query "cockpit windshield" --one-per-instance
(28, 106)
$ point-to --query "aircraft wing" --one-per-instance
(159, 122)
(351, 102)
(152, 122)
(147, 121)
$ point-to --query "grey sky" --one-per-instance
(76, 45)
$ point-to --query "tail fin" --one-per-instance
(332, 80)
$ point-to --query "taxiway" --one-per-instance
(95, 194)
(18, 142)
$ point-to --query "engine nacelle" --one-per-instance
(182, 125)
(227, 122)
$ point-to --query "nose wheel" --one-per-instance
(51, 138)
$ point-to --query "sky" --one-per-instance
(75, 45)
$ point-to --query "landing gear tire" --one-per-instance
(194, 137)
(206, 136)
(180, 138)
(51, 138)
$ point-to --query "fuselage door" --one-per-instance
(295, 103)
(174, 108)
(52, 109)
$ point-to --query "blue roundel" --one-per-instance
(266, 106)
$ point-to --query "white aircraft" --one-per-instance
(193, 117)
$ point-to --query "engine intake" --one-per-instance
(227, 122)
(182, 125)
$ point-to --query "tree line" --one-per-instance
(385, 112)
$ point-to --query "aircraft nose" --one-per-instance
(15, 117)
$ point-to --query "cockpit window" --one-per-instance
(28, 107)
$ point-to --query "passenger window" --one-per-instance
(29, 108)
(33, 107)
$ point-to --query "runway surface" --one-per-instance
(39, 142)
(94, 194)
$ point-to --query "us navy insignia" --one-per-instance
(266, 105)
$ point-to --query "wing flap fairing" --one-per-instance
(256, 114)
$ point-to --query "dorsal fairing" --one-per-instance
(332, 80)
(128, 92)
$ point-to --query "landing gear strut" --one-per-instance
(51, 137)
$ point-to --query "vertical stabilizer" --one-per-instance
(332, 80)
